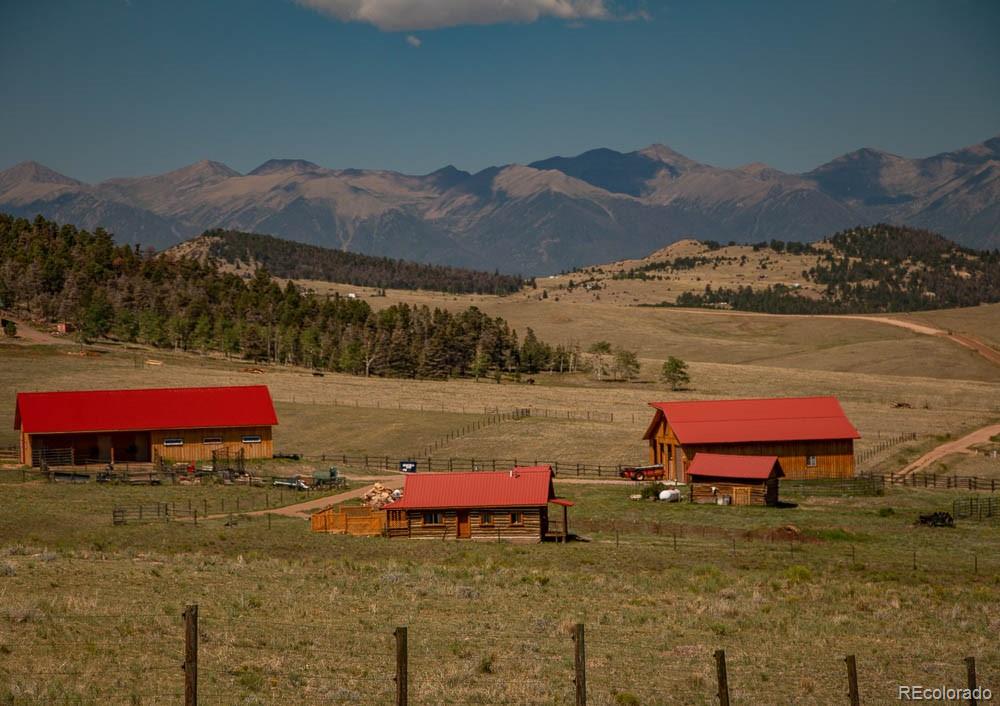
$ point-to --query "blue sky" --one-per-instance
(104, 88)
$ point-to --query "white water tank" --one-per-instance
(671, 495)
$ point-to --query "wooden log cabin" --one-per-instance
(810, 436)
(734, 480)
(140, 426)
(484, 506)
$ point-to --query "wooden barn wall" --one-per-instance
(834, 459)
(530, 530)
(701, 491)
(194, 449)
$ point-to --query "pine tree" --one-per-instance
(675, 372)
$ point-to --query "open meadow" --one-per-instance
(91, 612)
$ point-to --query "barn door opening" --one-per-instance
(741, 495)
(464, 526)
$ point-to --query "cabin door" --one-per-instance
(741, 496)
(464, 526)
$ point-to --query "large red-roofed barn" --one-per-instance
(487, 506)
(810, 436)
(173, 424)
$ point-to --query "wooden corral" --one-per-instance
(734, 480)
(485, 506)
(358, 521)
(811, 436)
(128, 426)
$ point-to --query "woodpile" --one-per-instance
(379, 496)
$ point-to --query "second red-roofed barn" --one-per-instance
(810, 436)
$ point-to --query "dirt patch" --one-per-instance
(785, 533)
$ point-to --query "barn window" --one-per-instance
(173, 442)
(811, 461)
(212, 440)
(517, 518)
(251, 439)
(433, 518)
(486, 519)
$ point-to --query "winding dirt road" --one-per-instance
(959, 446)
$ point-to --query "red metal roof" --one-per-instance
(774, 419)
(520, 487)
(732, 466)
(142, 410)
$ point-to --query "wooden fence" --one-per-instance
(355, 521)
(490, 419)
(881, 445)
(987, 508)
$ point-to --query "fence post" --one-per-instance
(970, 670)
(852, 680)
(401, 666)
(720, 672)
(191, 655)
(580, 665)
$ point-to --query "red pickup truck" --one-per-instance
(643, 472)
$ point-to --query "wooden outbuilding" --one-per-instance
(811, 436)
(734, 480)
(137, 426)
(484, 506)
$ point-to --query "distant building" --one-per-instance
(734, 480)
(173, 424)
(486, 506)
(810, 436)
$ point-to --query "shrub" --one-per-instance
(7, 569)
(653, 490)
(886, 512)
(624, 698)
(797, 573)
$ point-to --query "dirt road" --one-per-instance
(989, 353)
(952, 447)
(28, 334)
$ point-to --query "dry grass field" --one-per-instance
(91, 613)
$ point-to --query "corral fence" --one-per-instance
(488, 420)
(192, 658)
(979, 508)
(195, 510)
(881, 445)
(941, 481)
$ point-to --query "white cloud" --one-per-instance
(409, 15)
(413, 41)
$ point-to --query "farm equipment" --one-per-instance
(293, 482)
(330, 478)
(937, 519)
(655, 472)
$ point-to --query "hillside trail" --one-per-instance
(28, 334)
(971, 342)
(959, 446)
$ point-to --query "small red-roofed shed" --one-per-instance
(811, 436)
(487, 506)
(734, 480)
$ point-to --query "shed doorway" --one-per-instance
(741, 495)
(463, 525)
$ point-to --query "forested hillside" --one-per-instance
(292, 260)
(880, 268)
(52, 272)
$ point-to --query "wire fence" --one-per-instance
(224, 658)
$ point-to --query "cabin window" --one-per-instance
(486, 519)
(251, 439)
(212, 440)
(811, 461)
(516, 518)
(173, 442)
(433, 518)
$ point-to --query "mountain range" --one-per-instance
(539, 218)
